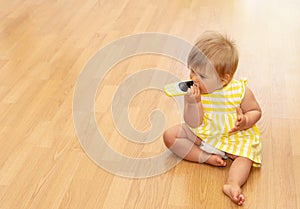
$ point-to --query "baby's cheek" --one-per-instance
(202, 88)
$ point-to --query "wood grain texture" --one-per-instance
(44, 45)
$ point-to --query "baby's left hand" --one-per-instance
(241, 121)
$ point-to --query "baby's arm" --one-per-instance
(249, 113)
(193, 111)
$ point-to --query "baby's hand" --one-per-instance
(193, 95)
(241, 121)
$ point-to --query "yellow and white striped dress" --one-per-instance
(219, 118)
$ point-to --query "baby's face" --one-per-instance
(207, 80)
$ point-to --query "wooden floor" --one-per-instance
(44, 45)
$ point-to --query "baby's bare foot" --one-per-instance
(215, 160)
(235, 193)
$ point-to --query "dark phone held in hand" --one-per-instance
(185, 85)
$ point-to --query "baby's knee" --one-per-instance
(172, 133)
(168, 137)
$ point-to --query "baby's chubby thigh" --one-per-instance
(180, 131)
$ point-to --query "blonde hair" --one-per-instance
(213, 50)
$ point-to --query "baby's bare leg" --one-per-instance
(181, 141)
(237, 177)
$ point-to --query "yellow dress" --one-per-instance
(219, 118)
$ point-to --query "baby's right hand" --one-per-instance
(193, 94)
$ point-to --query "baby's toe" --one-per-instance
(241, 199)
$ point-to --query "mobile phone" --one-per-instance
(178, 89)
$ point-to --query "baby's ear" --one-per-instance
(225, 79)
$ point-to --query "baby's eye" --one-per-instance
(203, 76)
